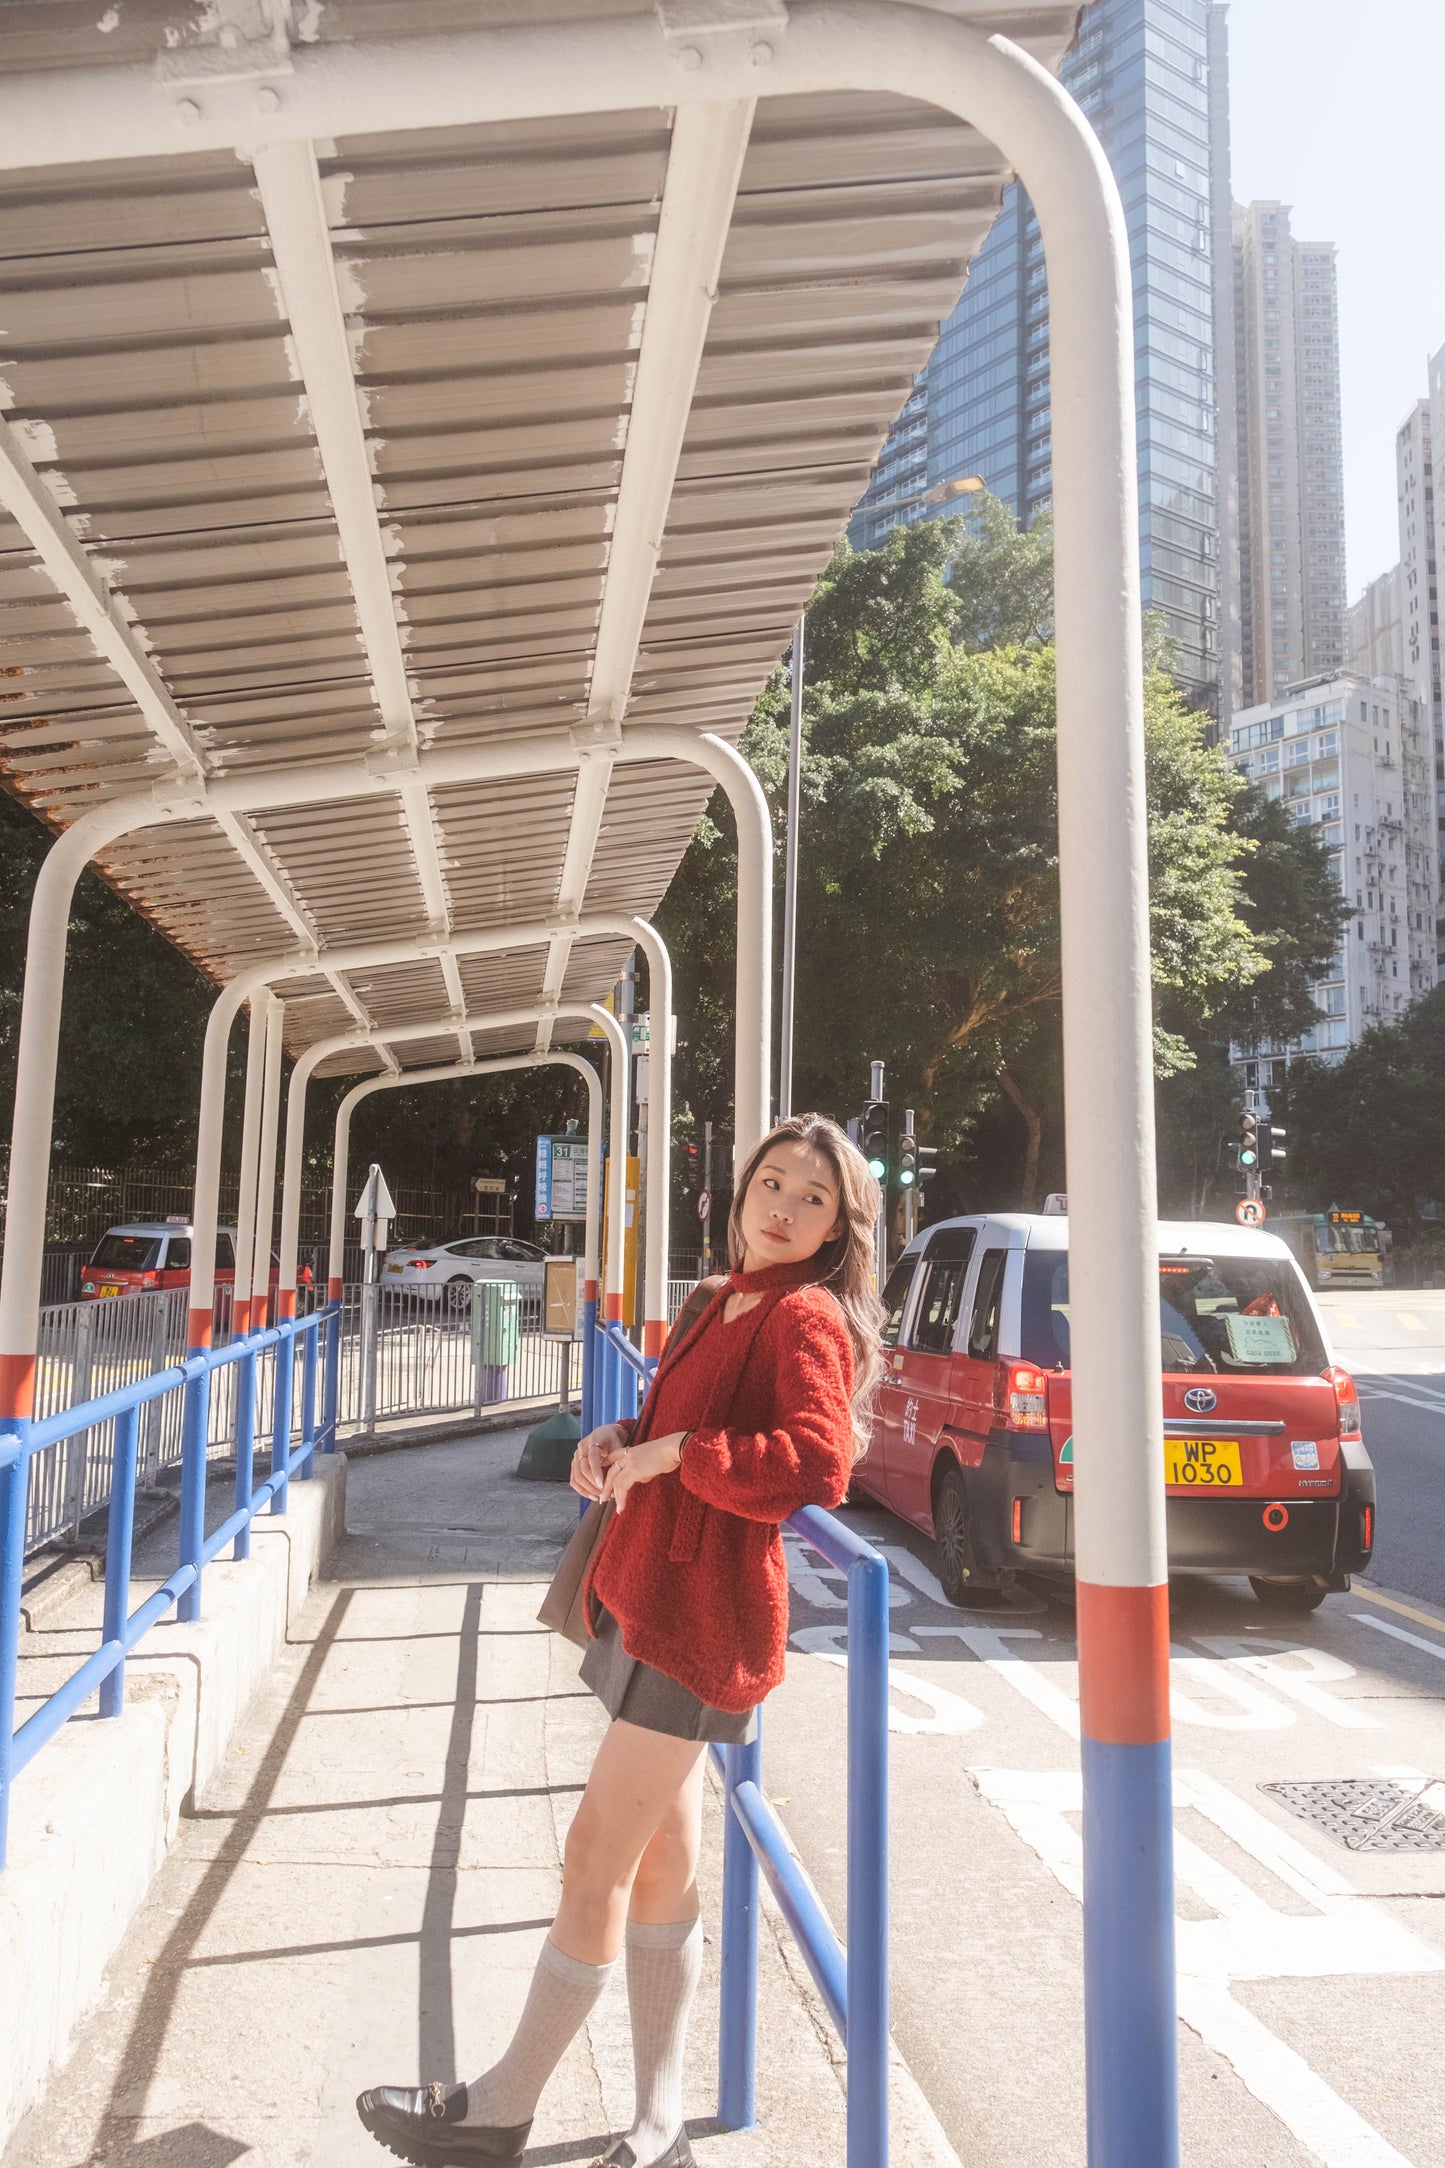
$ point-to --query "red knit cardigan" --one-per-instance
(693, 1569)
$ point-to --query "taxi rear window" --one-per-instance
(1229, 1316)
(125, 1253)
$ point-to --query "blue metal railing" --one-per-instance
(852, 1982)
(104, 1670)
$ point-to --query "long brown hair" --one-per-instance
(845, 1265)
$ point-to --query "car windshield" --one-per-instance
(1246, 1316)
(125, 1253)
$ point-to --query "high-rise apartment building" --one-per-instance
(1290, 459)
(1374, 634)
(1419, 587)
(1145, 73)
(898, 489)
(1353, 759)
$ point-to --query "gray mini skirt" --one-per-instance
(634, 1691)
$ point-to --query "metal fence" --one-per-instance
(424, 1365)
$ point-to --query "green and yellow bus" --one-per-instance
(1335, 1249)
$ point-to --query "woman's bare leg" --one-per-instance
(664, 1889)
(639, 1782)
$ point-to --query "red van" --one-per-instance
(143, 1255)
(1266, 1471)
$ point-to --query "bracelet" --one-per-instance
(682, 1446)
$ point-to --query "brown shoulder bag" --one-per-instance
(563, 1608)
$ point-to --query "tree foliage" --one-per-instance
(928, 919)
(1367, 1133)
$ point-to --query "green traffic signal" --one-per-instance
(873, 1134)
(1249, 1159)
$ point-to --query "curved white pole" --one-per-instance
(259, 1276)
(659, 1136)
(203, 1239)
(494, 1021)
(552, 1059)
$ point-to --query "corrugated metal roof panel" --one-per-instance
(493, 288)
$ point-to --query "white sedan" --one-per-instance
(447, 1270)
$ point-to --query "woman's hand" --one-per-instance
(641, 1465)
(594, 1456)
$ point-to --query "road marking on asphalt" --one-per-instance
(1408, 1319)
(1393, 1603)
(1304, 1685)
(1248, 1939)
(990, 1644)
(1434, 1406)
(1347, 1317)
(1398, 1633)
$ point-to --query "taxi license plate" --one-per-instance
(393, 1268)
(107, 1290)
(1203, 1463)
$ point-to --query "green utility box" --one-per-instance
(496, 1323)
(496, 1332)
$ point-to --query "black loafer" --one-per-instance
(678, 2155)
(423, 2124)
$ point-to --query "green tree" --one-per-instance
(928, 906)
(1367, 1133)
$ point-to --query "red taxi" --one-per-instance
(144, 1255)
(1265, 1469)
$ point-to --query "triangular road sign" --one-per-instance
(375, 1199)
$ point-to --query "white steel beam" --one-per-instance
(295, 213)
(25, 497)
(454, 1070)
(704, 160)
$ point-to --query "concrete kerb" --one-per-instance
(95, 1815)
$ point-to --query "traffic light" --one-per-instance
(907, 1161)
(1248, 1143)
(1271, 1146)
(873, 1137)
(691, 1166)
(926, 1156)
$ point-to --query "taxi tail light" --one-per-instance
(1367, 1528)
(419, 1264)
(1347, 1401)
(150, 1279)
(1021, 1395)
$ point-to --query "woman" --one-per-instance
(759, 1406)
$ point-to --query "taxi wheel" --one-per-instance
(958, 1573)
(1301, 1592)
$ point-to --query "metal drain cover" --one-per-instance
(1367, 1814)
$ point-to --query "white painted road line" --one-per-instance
(1398, 1633)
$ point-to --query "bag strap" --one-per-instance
(688, 1318)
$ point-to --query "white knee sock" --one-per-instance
(559, 2001)
(663, 1966)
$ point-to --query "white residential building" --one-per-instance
(1353, 757)
(1374, 629)
(1290, 480)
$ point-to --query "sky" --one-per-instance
(1337, 108)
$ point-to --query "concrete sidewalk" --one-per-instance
(360, 1895)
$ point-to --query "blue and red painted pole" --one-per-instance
(1130, 2030)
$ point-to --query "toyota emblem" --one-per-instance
(1199, 1399)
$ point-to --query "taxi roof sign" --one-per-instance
(1057, 1202)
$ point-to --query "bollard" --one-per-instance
(741, 1910)
(194, 1420)
(120, 1529)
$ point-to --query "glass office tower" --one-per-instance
(1141, 71)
